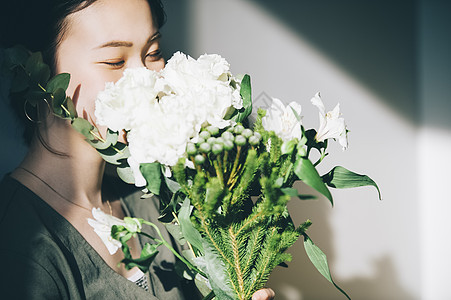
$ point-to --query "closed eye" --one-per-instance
(155, 55)
(115, 64)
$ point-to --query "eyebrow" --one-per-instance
(113, 44)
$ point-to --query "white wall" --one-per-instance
(435, 147)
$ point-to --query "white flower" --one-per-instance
(331, 126)
(285, 121)
(162, 111)
(116, 105)
(102, 224)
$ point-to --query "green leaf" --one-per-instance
(20, 82)
(306, 172)
(126, 174)
(59, 96)
(176, 232)
(189, 232)
(71, 108)
(110, 140)
(33, 61)
(319, 260)
(35, 96)
(342, 178)
(217, 274)
(148, 254)
(60, 81)
(115, 155)
(294, 193)
(84, 127)
(16, 55)
(39, 72)
(153, 176)
(245, 92)
(171, 184)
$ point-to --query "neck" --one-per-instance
(76, 176)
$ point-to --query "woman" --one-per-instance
(50, 251)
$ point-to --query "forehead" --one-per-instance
(105, 20)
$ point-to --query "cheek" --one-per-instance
(84, 87)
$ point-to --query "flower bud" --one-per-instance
(205, 135)
(205, 147)
(240, 140)
(211, 140)
(217, 149)
(254, 141)
(247, 133)
(227, 135)
(220, 140)
(199, 159)
(200, 141)
(213, 130)
(228, 145)
(238, 129)
(191, 149)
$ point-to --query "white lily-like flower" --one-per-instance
(285, 121)
(102, 223)
(331, 126)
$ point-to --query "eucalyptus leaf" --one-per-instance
(60, 81)
(153, 176)
(33, 61)
(189, 232)
(306, 172)
(319, 260)
(59, 96)
(40, 74)
(35, 96)
(110, 140)
(115, 155)
(20, 82)
(71, 108)
(84, 127)
(16, 55)
(342, 178)
(126, 174)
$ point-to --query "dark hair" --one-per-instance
(39, 25)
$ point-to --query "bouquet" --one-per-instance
(223, 176)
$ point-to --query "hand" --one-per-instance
(263, 294)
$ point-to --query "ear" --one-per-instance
(76, 95)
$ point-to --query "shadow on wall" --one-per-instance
(301, 280)
(175, 32)
(374, 41)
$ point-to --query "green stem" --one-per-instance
(235, 164)
(163, 241)
(210, 296)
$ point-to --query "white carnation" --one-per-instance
(116, 105)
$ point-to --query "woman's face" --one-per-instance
(103, 40)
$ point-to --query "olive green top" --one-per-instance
(44, 257)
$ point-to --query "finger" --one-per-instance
(263, 294)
